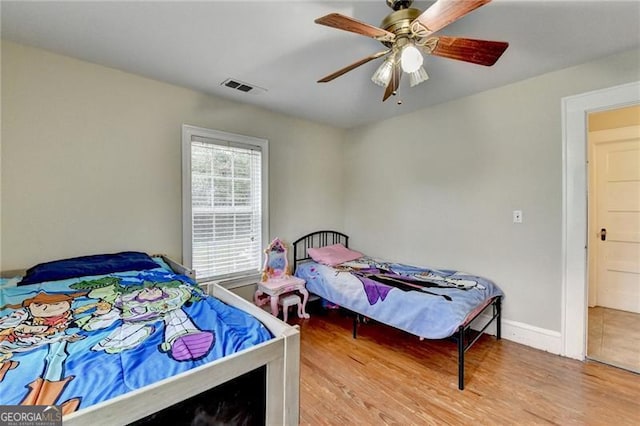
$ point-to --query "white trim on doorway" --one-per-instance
(574, 207)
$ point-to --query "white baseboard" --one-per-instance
(525, 334)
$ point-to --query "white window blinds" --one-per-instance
(226, 208)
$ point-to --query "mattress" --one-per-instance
(430, 303)
(78, 341)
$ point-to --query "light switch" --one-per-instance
(517, 216)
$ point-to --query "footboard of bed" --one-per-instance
(283, 373)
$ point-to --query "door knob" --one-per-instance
(603, 234)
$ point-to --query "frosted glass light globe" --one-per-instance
(382, 76)
(411, 59)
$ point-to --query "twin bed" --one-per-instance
(113, 339)
(429, 303)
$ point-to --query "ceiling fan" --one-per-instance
(407, 31)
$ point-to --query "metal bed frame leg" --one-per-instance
(498, 314)
(462, 346)
(355, 324)
(461, 351)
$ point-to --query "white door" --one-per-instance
(616, 231)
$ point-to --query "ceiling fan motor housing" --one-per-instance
(399, 23)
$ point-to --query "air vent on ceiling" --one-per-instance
(236, 84)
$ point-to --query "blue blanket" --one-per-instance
(429, 303)
(80, 341)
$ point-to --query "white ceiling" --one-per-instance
(277, 46)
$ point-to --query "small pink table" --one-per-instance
(275, 287)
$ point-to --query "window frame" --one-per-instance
(224, 139)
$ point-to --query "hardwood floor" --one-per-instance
(386, 376)
(614, 337)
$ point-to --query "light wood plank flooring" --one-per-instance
(386, 376)
(614, 337)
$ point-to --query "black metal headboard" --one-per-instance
(314, 240)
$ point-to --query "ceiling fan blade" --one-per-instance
(352, 66)
(481, 52)
(443, 12)
(396, 74)
(342, 22)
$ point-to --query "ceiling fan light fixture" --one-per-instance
(418, 77)
(410, 59)
(382, 76)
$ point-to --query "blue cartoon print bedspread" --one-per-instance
(426, 302)
(81, 341)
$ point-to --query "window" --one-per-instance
(224, 201)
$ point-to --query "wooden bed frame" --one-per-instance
(462, 336)
(280, 355)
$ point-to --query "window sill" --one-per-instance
(231, 283)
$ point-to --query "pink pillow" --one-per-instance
(333, 255)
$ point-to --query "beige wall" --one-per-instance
(438, 186)
(91, 163)
(91, 160)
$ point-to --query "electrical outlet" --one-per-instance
(517, 216)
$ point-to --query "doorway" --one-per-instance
(613, 314)
(574, 208)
